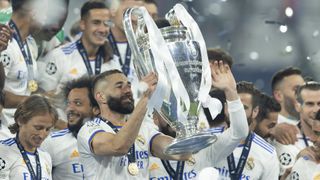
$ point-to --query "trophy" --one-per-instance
(177, 53)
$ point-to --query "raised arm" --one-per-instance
(229, 139)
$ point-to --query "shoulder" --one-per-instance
(60, 133)
(7, 142)
(216, 130)
(92, 126)
(69, 48)
(263, 145)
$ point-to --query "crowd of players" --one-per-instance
(74, 110)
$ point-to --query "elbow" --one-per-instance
(120, 150)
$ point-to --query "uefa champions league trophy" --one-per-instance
(178, 54)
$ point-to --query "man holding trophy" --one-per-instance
(117, 146)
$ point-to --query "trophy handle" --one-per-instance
(141, 68)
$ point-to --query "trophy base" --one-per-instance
(191, 144)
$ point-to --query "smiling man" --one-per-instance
(83, 56)
(65, 156)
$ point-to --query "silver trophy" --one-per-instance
(174, 52)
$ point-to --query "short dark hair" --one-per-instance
(91, 5)
(281, 74)
(266, 105)
(217, 54)
(33, 106)
(83, 82)
(97, 79)
(249, 88)
(311, 85)
(221, 117)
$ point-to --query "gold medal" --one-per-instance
(32, 86)
(133, 169)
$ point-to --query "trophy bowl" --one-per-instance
(174, 48)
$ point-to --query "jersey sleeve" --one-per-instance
(87, 133)
(51, 69)
(229, 139)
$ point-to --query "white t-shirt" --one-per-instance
(16, 72)
(304, 169)
(13, 167)
(63, 149)
(115, 167)
(65, 63)
(262, 161)
(287, 153)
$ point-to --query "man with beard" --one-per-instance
(19, 59)
(267, 116)
(208, 157)
(62, 145)
(254, 158)
(308, 98)
(284, 83)
(117, 146)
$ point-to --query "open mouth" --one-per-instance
(73, 116)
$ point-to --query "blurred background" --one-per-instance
(262, 36)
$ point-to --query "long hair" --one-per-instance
(33, 106)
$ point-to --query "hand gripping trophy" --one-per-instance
(178, 55)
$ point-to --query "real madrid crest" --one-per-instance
(250, 163)
(32, 86)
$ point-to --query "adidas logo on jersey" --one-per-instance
(154, 166)
(74, 154)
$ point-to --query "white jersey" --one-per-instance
(13, 167)
(65, 63)
(115, 167)
(304, 168)
(63, 149)
(226, 142)
(287, 153)
(5, 133)
(262, 161)
(16, 73)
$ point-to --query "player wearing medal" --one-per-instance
(62, 145)
(113, 146)
(84, 56)
(254, 158)
(19, 58)
(256, 166)
(20, 157)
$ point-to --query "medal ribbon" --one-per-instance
(126, 65)
(26, 53)
(235, 172)
(85, 58)
(27, 161)
(176, 175)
